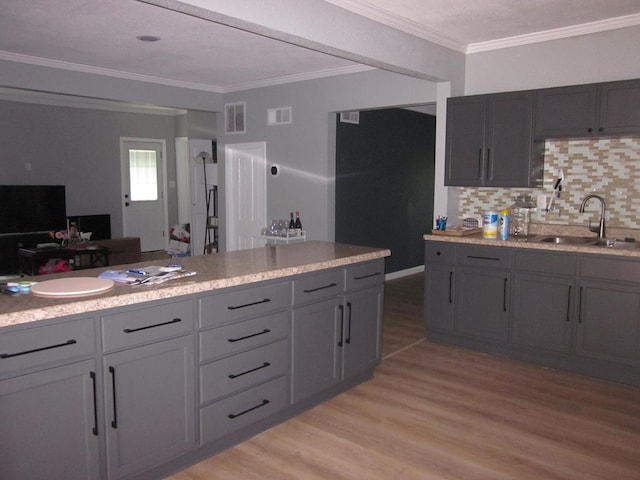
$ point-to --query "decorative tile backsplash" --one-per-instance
(609, 167)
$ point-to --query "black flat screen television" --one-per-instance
(32, 208)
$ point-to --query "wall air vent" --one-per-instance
(350, 117)
(279, 116)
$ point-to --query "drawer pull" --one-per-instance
(27, 352)
(483, 258)
(133, 330)
(264, 300)
(311, 290)
(375, 274)
(231, 340)
(236, 375)
(235, 415)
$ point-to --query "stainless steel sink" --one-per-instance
(565, 239)
(615, 244)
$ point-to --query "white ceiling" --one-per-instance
(99, 36)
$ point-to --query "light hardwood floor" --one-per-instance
(440, 412)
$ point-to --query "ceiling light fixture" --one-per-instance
(148, 38)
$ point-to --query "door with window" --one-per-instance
(144, 203)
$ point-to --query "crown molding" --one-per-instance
(400, 23)
(408, 26)
(556, 34)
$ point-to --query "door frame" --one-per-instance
(163, 185)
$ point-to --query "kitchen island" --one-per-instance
(573, 306)
(138, 382)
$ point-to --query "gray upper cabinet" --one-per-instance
(489, 141)
(588, 110)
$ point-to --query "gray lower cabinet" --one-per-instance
(543, 300)
(48, 403)
(149, 386)
(482, 292)
(579, 312)
(149, 405)
(49, 425)
(136, 391)
(338, 335)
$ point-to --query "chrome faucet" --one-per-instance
(600, 229)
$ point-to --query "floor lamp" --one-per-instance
(204, 158)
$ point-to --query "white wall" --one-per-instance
(593, 58)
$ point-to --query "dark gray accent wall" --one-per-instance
(385, 183)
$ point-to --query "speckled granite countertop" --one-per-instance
(476, 239)
(213, 272)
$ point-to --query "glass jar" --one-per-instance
(521, 215)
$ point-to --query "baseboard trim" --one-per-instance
(404, 273)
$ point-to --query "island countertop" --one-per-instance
(213, 272)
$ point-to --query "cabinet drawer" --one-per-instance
(243, 370)
(543, 262)
(439, 253)
(223, 341)
(609, 269)
(234, 413)
(246, 302)
(318, 286)
(364, 275)
(481, 256)
(145, 325)
(47, 345)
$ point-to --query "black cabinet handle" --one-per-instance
(133, 330)
(479, 257)
(236, 375)
(95, 404)
(348, 339)
(231, 340)
(235, 415)
(27, 352)
(580, 305)
(589, 130)
(479, 163)
(236, 307)
(504, 295)
(341, 341)
(375, 274)
(114, 422)
(569, 303)
(450, 287)
(311, 290)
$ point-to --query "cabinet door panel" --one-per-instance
(47, 420)
(464, 160)
(619, 107)
(541, 315)
(566, 112)
(510, 140)
(482, 303)
(318, 341)
(363, 330)
(608, 322)
(149, 408)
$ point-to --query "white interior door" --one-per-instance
(246, 194)
(143, 186)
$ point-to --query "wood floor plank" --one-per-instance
(440, 412)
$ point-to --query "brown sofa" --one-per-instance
(122, 250)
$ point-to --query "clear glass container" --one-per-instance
(521, 215)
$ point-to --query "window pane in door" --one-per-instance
(143, 175)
